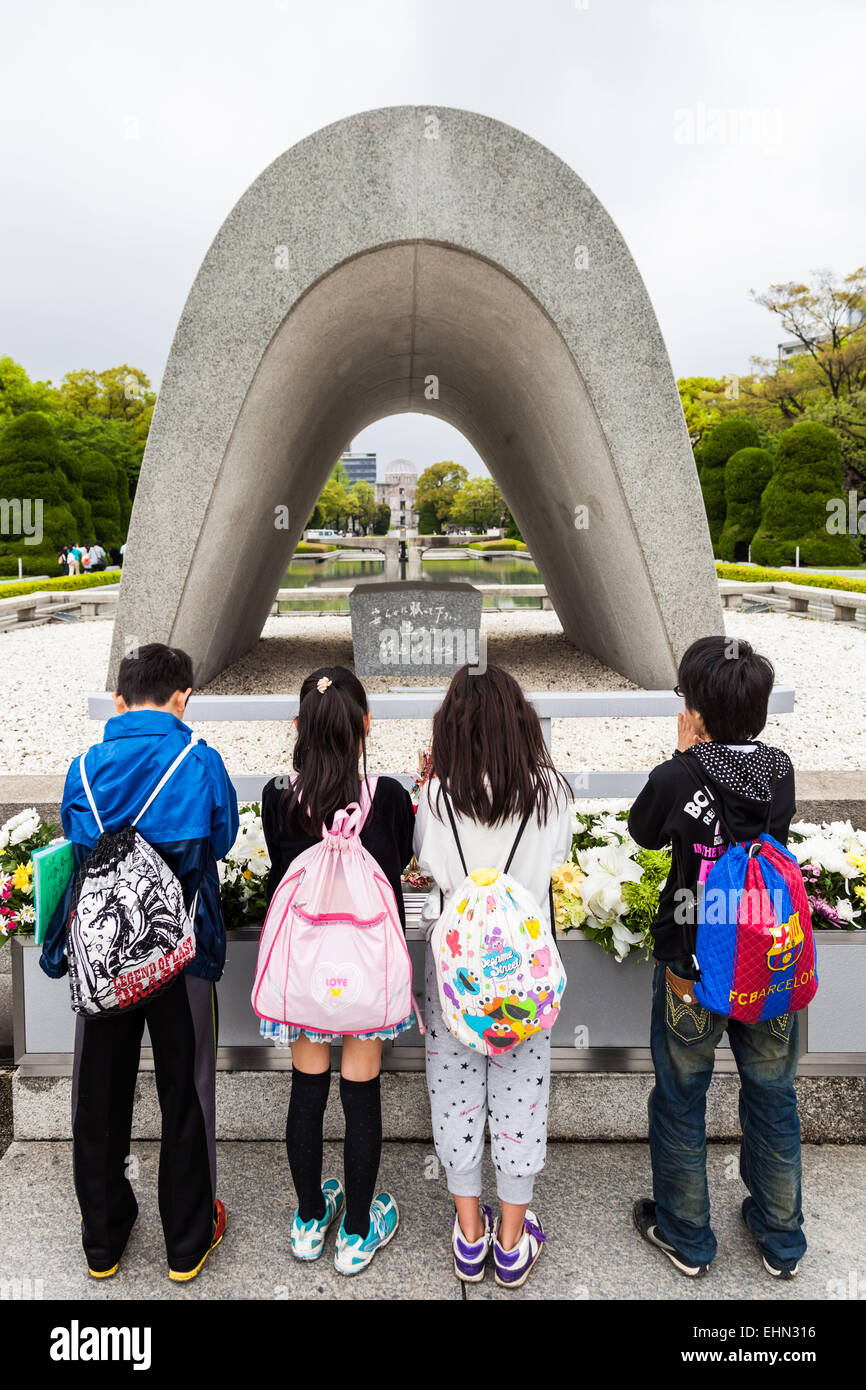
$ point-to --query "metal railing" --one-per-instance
(422, 703)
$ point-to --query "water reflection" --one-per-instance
(307, 573)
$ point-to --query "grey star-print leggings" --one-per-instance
(465, 1087)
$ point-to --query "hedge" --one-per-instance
(101, 486)
(64, 581)
(762, 575)
(746, 474)
(314, 547)
(807, 476)
(505, 544)
(35, 464)
(726, 439)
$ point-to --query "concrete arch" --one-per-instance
(415, 260)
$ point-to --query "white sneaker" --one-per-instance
(354, 1253)
(308, 1237)
(513, 1267)
(470, 1257)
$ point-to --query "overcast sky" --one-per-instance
(130, 130)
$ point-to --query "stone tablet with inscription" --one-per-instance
(415, 628)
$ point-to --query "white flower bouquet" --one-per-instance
(244, 871)
(19, 837)
(609, 887)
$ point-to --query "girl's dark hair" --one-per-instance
(489, 752)
(330, 733)
(727, 683)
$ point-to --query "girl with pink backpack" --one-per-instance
(333, 963)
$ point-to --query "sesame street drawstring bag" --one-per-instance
(499, 974)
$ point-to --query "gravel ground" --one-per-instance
(48, 671)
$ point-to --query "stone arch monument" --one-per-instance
(435, 260)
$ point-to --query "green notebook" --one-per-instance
(52, 869)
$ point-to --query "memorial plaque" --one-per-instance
(415, 628)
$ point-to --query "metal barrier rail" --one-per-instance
(422, 703)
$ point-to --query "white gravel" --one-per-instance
(48, 672)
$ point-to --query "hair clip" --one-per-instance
(322, 685)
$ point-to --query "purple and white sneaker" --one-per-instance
(470, 1257)
(513, 1267)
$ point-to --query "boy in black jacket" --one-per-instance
(726, 688)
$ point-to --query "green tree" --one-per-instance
(382, 524)
(427, 522)
(747, 473)
(794, 510)
(118, 393)
(479, 503)
(99, 483)
(35, 466)
(333, 503)
(437, 488)
(824, 378)
(104, 412)
(124, 501)
(846, 416)
(702, 400)
(361, 502)
(18, 394)
(828, 319)
(117, 440)
(715, 449)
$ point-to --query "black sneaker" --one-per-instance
(777, 1271)
(644, 1213)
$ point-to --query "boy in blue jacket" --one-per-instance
(192, 823)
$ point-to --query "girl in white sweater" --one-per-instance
(490, 761)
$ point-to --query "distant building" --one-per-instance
(360, 468)
(398, 492)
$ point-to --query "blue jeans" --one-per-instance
(684, 1038)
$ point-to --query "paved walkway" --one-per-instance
(584, 1199)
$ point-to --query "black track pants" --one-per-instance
(182, 1022)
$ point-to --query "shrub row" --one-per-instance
(64, 581)
(762, 575)
(506, 544)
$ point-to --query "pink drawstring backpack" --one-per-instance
(332, 955)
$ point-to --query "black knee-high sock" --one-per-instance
(304, 1128)
(362, 1151)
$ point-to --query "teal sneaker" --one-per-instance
(355, 1253)
(308, 1237)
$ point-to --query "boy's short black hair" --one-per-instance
(727, 683)
(152, 674)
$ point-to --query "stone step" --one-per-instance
(585, 1106)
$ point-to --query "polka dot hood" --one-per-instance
(745, 771)
(672, 810)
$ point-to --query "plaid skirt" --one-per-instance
(283, 1034)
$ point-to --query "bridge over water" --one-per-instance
(390, 548)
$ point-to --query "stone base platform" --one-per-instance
(585, 1106)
